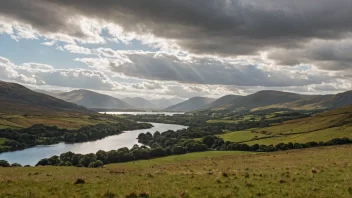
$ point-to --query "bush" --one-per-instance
(16, 165)
(96, 164)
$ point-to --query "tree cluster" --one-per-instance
(39, 134)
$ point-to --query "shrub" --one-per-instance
(16, 165)
(96, 164)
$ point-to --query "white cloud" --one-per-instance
(77, 49)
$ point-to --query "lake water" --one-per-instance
(127, 139)
(144, 113)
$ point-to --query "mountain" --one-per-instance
(164, 103)
(316, 102)
(15, 98)
(50, 93)
(264, 98)
(222, 102)
(140, 103)
(92, 100)
(191, 104)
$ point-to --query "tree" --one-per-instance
(102, 155)
(4, 163)
(68, 156)
(43, 162)
(141, 153)
(177, 150)
(87, 159)
(208, 141)
(54, 160)
(158, 152)
(75, 159)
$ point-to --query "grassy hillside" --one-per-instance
(316, 102)
(264, 98)
(320, 127)
(316, 172)
(191, 104)
(21, 107)
(223, 101)
(92, 99)
(15, 98)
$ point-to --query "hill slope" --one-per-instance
(264, 98)
(15, 98)
(140, 103)
(191, 104)
(92, 99)
(321, 127)
(222, 102)
(317, 102)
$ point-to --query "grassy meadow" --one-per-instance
(59, 120)
(315, 172)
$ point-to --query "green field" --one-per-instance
(324, 135)
(241, 136)
(61, 121)
(317, 136)
(316, 172)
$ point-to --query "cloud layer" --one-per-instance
(220, 27)
(230, 46)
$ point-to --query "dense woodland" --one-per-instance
(172, 146)
(17, 139)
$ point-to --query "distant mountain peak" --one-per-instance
(192, 104)
(91, 99)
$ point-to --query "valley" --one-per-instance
(200, 131)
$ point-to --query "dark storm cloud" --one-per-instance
(220, 27)
(329, 55)
(45, 16)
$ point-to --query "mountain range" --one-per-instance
(261, 100)
(191, 104)
(94, 100)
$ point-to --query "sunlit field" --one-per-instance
(316, 172)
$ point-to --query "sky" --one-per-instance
(177, 48)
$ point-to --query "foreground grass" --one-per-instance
(316, 172)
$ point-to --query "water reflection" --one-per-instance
(127, 139)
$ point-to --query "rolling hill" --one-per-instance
(264, 98)
(140, 103)
(316, 102)
(191, 104)
(15, 98)
(222, 102)
(93, 100)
